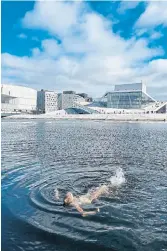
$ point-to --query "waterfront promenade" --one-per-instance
(107, 117)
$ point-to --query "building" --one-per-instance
(74, 103)
(129, 96)
(85, 96)
(18, 99)
(47, 101)
(125, 99)
(128, 99)
(70, 99)
(69, 92)
(59, 101)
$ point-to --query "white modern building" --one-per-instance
(131, 87)
(18, 99)
(125, 99)
(47, 101)
(70, 99)
(129, 99)
(129, 96)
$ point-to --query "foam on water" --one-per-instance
(57, 196)
(115, 182)
(118, 179)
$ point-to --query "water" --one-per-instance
(41, 157)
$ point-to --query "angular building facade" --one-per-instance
(18, 99)
(47, 101)
(70, 99)
(129, 96)
(74, 103)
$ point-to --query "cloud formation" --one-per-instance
(127, 5)
(22, 36)
(84, 53)
(154, 14)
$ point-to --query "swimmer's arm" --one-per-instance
(85, 213)
(99, 192)
(95, 195)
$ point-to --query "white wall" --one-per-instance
(51, 101)
(18, 98)
(47, 101)
(69, 100)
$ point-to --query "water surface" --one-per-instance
(39, 156)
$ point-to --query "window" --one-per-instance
(126, 100)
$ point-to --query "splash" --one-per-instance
(57, 196)
(118, 179)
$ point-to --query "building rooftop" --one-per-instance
(133, 86)
(69, 92)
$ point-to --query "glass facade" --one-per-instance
(79, 110)
(128, 100)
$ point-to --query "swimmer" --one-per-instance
(88, 198)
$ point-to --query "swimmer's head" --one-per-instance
(68, 199)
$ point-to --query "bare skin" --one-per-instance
(76, 202)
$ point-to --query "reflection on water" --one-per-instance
(41, 156)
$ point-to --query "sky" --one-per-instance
(85, 46)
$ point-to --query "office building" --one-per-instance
(47, 101)
(85, 96)
(70, 99)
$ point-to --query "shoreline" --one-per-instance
(97, 117)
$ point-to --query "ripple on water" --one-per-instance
(39, 157)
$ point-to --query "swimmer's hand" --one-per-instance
(84, 214)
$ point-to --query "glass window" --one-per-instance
(127, 100)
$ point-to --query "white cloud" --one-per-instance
(51, 47)
(159, 65)
(94, 75)
(126, 5)
(156, 35)
(36, 52)
(151, 33)
(90, 58)
(155, 14)
(57, 17)
(22, 36)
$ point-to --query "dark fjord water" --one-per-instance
(40, 156)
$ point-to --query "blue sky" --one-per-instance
(85, 46)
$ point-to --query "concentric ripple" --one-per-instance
(39, 157)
